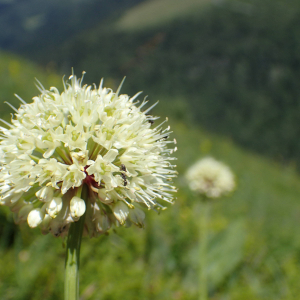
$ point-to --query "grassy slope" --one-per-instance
(153, 13)
(254, 234)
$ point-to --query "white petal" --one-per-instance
(10, 198)
(49, 152)
(137, 216)
(121, 212)
(104, 197)
(110, 155)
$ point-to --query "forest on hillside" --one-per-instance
(236, 65)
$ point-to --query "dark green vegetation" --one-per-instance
(234, 69)
(33, 27)
(236, 64)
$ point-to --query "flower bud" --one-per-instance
(45, 224)
(58, 226)
(77, 207)
(54, 207)
(35, 217)
(16, 206)
(45, 194)
(23, 212)
(102, 223)
(137, 216)
(121, 212)
(103, 197)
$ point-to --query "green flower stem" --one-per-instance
(62, 153)
(204, 220)
(73, 254)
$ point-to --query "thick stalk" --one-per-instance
(204, 220)
(73, 254)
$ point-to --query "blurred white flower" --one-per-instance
(84, 136)
(210, 178)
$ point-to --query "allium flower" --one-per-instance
(84, 136)
(210, 177)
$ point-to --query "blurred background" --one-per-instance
(227, 74)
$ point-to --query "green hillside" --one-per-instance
(254, 235)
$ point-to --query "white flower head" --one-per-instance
(85, 137)
(210, 178)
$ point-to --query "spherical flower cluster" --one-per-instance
(210, 178)
(85, 137)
